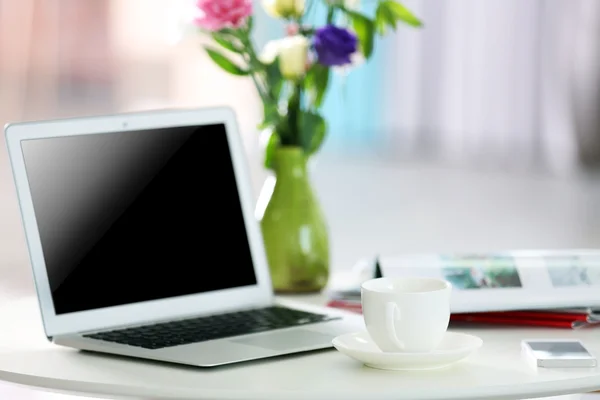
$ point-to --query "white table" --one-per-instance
(495, 372)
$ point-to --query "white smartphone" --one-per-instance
(558, 353)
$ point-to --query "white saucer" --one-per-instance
(454, 347)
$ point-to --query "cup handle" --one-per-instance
(392, 313)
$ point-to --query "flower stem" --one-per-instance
(255, 66)
(293, 115)
(330, 15)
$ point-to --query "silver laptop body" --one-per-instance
(143, 241)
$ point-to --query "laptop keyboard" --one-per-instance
(176, 333)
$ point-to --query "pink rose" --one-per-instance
(219, 14)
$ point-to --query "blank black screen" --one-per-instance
(135, 216)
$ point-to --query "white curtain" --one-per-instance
(487, 78)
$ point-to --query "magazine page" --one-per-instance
(510, 280)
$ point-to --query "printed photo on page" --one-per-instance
(508, 280)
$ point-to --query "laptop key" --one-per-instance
(196, 330)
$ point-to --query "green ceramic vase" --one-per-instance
(294, 229)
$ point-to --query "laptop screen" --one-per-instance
(134, 216)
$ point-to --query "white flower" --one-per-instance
(270, 52)
(293, 56)
(356, 60)
(284, 8)
(352, 4)
(292, 52)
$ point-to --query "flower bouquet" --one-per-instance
(292, 76)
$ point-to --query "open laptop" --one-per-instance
(143, 240)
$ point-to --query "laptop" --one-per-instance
(143, 242)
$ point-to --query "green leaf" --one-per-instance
(270, 116)
(274, 78)
(270, 147)
(401, 13)
(307, 31)
(316, 83)
(365, 31)
(226, 42)
(380, 20)
(313, 128)
(225, 63)
(384, 17)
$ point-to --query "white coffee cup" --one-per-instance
(406, 314)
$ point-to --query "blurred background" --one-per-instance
(480, 131)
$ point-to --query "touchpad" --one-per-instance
(297, 338)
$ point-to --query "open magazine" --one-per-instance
(523, 280)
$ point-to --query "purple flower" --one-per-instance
(334, 45)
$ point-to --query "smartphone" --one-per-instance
(558, 353)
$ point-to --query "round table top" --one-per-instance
(495, 371)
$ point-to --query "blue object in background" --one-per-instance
(353, 106)
(354, 103)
